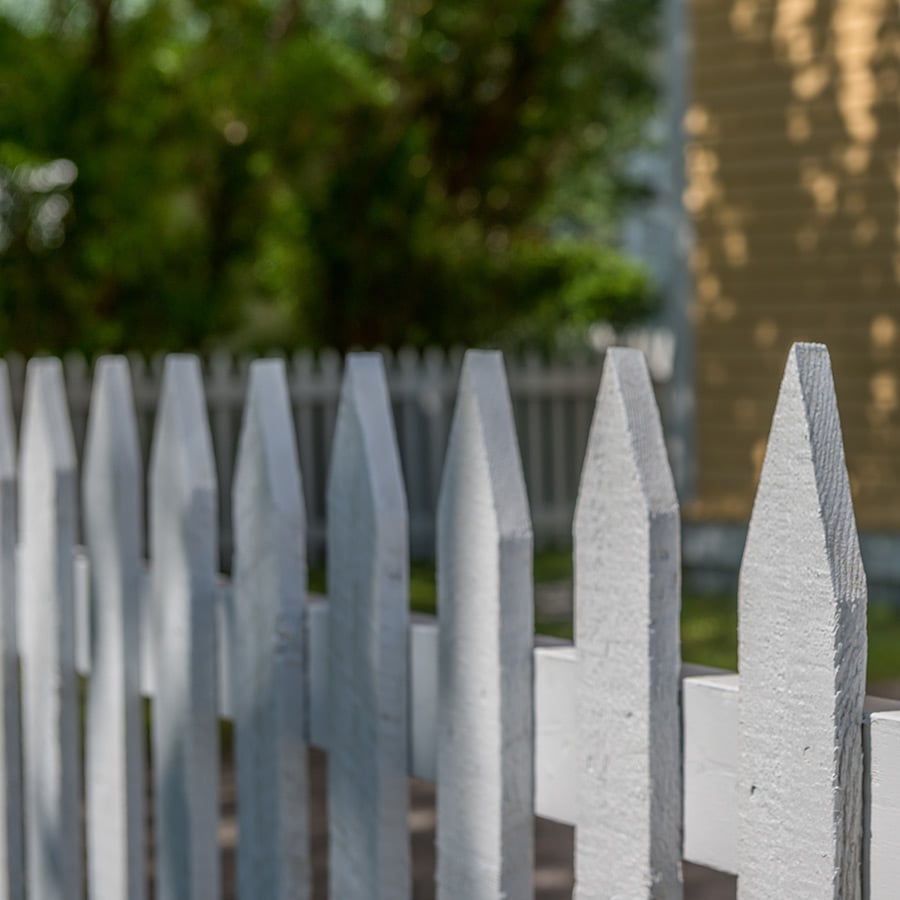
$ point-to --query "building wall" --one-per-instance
(793, 187)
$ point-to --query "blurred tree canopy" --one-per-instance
(273, 172)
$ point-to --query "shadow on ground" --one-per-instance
(553, 846)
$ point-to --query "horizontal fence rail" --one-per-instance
(784, 775)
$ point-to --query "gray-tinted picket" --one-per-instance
(627, 611)
(114, 740)
(12, 862)
(802, 652)
(268, 667)
(50, 714)
(368, 588)
(183, 553)
(485, 724)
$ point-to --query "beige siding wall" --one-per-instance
(793, 162)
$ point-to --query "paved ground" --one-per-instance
(553, 842)
(553, 847)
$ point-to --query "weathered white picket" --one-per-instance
(802, 609)
(627, 608)
(114, 739)
(183, 560)
(265, 635)
(778, 762)
(51, 739)
(486, 622)
(12, 862)
(368, 572)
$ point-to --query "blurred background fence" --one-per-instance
(553, 401)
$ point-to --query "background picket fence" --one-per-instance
(780, 776)
(552, 401)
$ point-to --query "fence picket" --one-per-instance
(268, 655)
(50, 733)
(484, 567)
(114, 739)
(183, 557)
(802, 652)
(12, 862)
(368, 572)
(627, 610)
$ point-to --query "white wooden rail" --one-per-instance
(786, 779)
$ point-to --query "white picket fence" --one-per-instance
(552, 402)
(778, 775)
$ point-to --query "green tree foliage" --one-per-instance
(176, 172)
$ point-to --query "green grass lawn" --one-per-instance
(708, 624)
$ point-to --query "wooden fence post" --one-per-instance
(12, 861)
(627, 611)
(268, 654)
(184, 553)
(114, 742)
(802, 647)
(486, 616)
(51, 733)
(368, 588)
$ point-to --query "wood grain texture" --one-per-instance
(268, 671)
(51, 733)
(802, 650)
(485, 709)
(627, 612)
(12, 848)
(114, 739)
(368, 586)
(183, 550)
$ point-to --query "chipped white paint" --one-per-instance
(50, 715)
(627, 612)
(268, 669)
(183, 554)
(12, 862)
(484, 573)
(802, 651)
(114, 737)
(884, 805)
(368, 586)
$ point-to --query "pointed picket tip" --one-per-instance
(802, 654)
(804, 477)
(365, 443)
(626, 434)
(112, 447)
(483, 427)
(267, 470)
(182, 444)
(7, 428)
(45, 416)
